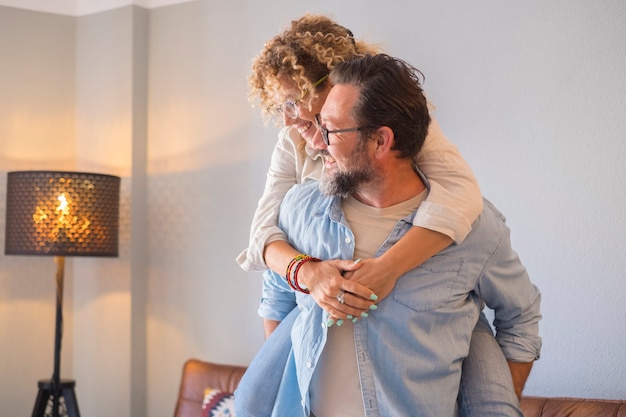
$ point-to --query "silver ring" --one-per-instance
(341, 297)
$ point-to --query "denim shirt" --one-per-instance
(410, 350)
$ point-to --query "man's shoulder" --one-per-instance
(309, 189)
(301, 197)
(490, 226)
(303, 205)
(491, 216)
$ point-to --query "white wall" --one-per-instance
(36, 132)
(104, 142)
(70, 106)
(532, 93)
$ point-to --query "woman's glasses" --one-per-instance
(290, 107)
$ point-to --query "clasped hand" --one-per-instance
(345, 289)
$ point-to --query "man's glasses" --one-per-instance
(325, 132)
(290, 107)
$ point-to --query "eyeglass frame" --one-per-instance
(325, 132)
(290, 107)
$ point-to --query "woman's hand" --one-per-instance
(343, 299)
(376, 275)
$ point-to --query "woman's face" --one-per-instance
(297, 114)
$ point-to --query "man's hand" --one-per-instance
(519, 372)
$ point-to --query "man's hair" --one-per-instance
(390, 95)
(305, 53)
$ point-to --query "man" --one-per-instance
(405, 359)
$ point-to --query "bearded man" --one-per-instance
(405, 358)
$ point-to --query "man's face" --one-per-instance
(347, 164)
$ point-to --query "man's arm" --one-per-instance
(519, 372)
(506, 288)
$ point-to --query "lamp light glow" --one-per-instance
(62, 214)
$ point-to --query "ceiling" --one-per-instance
(83, 7)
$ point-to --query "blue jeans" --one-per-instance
(256, 394)
(486, 385)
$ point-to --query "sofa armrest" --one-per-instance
(199, 375)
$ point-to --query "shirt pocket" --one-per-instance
(430, 286)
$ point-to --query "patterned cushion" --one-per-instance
(218, 403)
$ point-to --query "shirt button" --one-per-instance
(323, 325)
(309, 365)
(348, 240)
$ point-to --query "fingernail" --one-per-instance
(349, 317)
(339, 323)
(373, 297)
(364, 314)
(357, 261)
(354, 320)
(330, 323)
(373, 307)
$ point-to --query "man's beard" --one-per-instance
(344, 183)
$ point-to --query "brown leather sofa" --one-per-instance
(198, 375)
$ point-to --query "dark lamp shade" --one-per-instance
(62, 214)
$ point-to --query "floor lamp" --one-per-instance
(61, 214)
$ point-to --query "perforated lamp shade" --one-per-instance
(62, 214)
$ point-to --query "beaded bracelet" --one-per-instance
(292, 271)
(291, 266)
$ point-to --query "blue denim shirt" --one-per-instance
(410, 350)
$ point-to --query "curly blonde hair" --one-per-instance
(304, 53)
